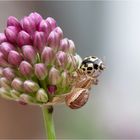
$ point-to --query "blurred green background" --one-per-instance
(107, 29)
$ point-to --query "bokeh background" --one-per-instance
(107, 29)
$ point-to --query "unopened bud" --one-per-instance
(71, 47)
(17, 84)
(14, 58)
(54, 76)
(64, 45)
(4, 82)
(8, 73)
(2, 38)
(59, 31)
(15, 94)
(52, 22)
(25, 99)
(40, 71)
(51, 89)
(26, 69)
(64, 79)
(3, 62)
(5, 93)
(23, 38)
(42, 96)
(47, 55)
(30, 86)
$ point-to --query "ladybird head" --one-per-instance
(92, 66)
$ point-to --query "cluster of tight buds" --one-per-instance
(36, 61)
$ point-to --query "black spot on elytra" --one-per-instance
(89, 68)
(83, 69)
(95, 66)
(89, 72)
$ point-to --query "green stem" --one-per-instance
(48, 122)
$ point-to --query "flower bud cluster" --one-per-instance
(36, 60)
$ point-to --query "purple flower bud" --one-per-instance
(3, 62)
(8, 73)
(64, 78)
(45, 27)
(51, 89)
(52, 22)
(30, 86)
(71, 47)
(54, 40)
(40, 71)
(29, 53)
(12, 21)
(36, 18)
(42, 96)
(59, 31)
(14, 94)
(54, 76)
(61, 59)
(11, 33)
(5, 48)
(4, 82)
(14, 58)
(47, 55)
(1, 71)
(17, 84)
(28, 25)
(78, 60)
(2, 38)
(26, 69)
(23, 39)
(39, 41)
(64, 45)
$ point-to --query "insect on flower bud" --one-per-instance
(30, 86)
(42, 96)
(12, 21)
(39, 41)
(17, 84)
(4, 82)
(14, 58)
(26, 69)
(23, 39)
(11, 33)
(8, 73)
(5, 48)
(47, 55)
(2, 38)
(54, 76)
(40, 71)
(29, 53)
(52, 22)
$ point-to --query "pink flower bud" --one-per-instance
(59, 31)
(1, 71)
(14, 58)
(52, 22)
(39, 41)
(42, 96)
(36, 18)
(30, 86)
(47, 55)
(53, 40)
(17, 84)
(11, 33)
(5, 48)
(4, 82)
(71, 47)
(23, 39)
(64, 45)
(51, 89)
(25, 99)
(28, 25)
(29, 53)
(26, 69)
(40, 71)
(54, 76)
(2, 38)
(12, 21)
(8, 73)
(64, 78)
(44, 27)
(3, 62)
(61, 59)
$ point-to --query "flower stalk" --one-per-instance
(48, 122)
